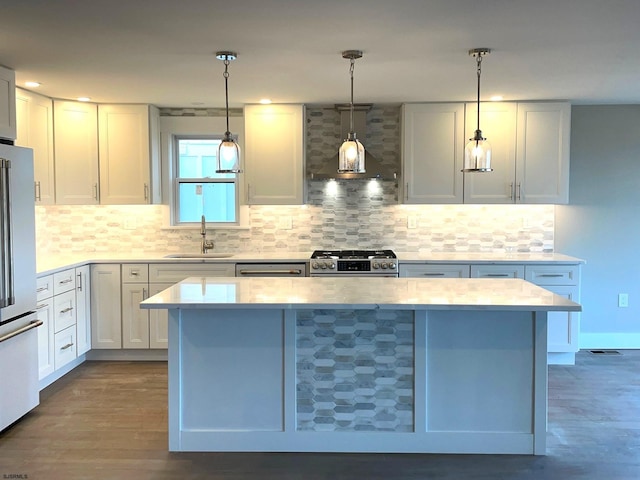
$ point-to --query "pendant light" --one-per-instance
(477, 153)
(228, 158)
(351, 154)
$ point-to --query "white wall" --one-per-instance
(602, 222)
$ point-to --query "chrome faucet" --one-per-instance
(204, 243)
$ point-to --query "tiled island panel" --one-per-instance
(355, 370)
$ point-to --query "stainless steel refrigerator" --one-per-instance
(18, 323)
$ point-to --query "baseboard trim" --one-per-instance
(609, 341)
(128, 355)
(61, 372)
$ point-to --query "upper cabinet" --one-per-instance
(34, 117)
(128, 153)
(274, 154)
(7, 104)
(432, 152)
(530, 153)
(76, 152)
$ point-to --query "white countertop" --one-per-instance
(359, 293)
(47, 264)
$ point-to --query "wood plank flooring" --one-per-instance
(108, 420)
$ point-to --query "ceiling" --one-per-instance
(163, 51)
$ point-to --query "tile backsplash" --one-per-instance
(339, 215)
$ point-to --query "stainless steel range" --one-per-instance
(355, 263)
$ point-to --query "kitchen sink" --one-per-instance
(199, 255)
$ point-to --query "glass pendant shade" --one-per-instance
(351, 156)
(477, 154)
(228, 158)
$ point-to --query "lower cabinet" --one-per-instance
(106, 316)
(563, 328)
(135, 321)
(44, 310)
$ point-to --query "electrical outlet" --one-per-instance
(130, 223)
(412, 221)
(623, 300)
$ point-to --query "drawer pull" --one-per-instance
(551, 275)
(66, 310)
(41, 306)
(68, 280)
(433, 274)
(496, 275)
(134, 273)
(42, 289)
(68, 345)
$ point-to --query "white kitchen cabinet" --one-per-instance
(65, 346)
(76, 152)
(8, 128)
(106, 301)
(176, 272)
(435, 270)
(274, 155)
(542, 155)
(34, 118)
(129, 153)
(83, 309)
(158, 320)
(432, 153)
(135, 321)
(498, 125)
(563, 328)
(44, 310)
(497, 271)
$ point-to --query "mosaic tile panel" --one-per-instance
(354, 370)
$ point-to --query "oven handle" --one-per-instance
(26, 328)
(270, 272)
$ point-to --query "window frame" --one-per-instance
(177, 181)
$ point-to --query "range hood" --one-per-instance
(374, 169)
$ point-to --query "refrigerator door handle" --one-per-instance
(6, 247)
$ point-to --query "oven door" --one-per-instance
(271, 270)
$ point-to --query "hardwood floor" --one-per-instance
(108, 420)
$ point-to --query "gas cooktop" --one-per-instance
(352, 254)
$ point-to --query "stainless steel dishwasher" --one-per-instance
(271, 269)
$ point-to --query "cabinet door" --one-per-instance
(34, 118)
(83, 309)
(274, 154)
(434, 271)
(106, 325)
(497, 271)
(543, 152)
(432, 152)
(563, 328)
(498, 125)
(124, 153)
(76, 152)
(7, 104)
(65, 347)
(46, 347)
(158, 320)
(135, 321)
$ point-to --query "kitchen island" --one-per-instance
(358, 364)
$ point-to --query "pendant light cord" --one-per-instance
(479, 62)
(226, 89)
(353, 61)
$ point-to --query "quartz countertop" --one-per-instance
(47, 264)
(359, 293)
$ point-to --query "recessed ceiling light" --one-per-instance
(497, 98)
(32, 84)
(84, 99)
(265, 101)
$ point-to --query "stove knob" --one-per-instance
(383, 265)
(392, 265)
(332, 265)
(315, 265)
(375, 266)
(323, 265)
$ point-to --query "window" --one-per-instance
(198, 189)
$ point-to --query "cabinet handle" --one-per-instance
(68, 345)
(38, 191)
(144, 294)
(62, 282)
(551, 275)
(80, 281)
(511, 191)
(41, 306)
(406, 192)
(519, 191)
(433, 274)
(42, 289)
(496, 275)
(66, 310)
(248, 193)
(95, 191)
(146, 192)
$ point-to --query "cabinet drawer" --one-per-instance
(434, 271)
(497, 271)
(176, 272)
(64, 281)
(553, 274)
(44, 287)
(135, 273)
(64, 310)
(65, 346)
